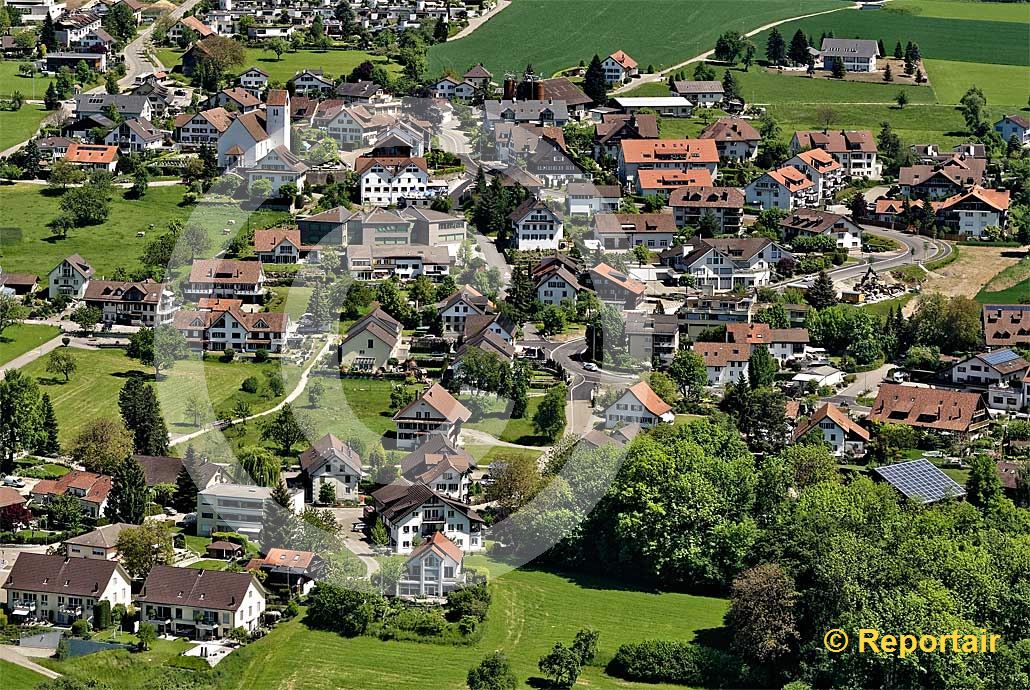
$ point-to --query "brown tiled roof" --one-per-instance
(620, 279)
(812, 220)
(77, 577)
(324, 448)
(649, 399)
(288, 558)
(105, 537)
(478, 72)
(721, 354)
(260, 322)
(10, 497)
(96, 486)
(267, 240)
(932, 408)
(398, 501)
(254, 123)
(437, 397)
(532, 204)
(225, 271)
(731, 129)
(819, 160)
(277, 97)
(209, 589)
(673, 179)
(703, 196)
(490, 342)
(561, 89)
(640, 126)
(394, 164)
(439, 543)
(836, 415)
(843, 141)
(618, 223)
(159, 469)
(645, 151)
(123, 291)
(433, 458)
(1006, 324)
(241, 96)
(998, 199)
(198, 26)
(624, 60)
(963, 171)
(762, 334)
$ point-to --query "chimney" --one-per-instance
(538, 91)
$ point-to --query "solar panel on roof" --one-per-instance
(920, 480)
(999, 357)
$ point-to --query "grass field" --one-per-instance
(492, 415)
(17, 126)
(564, 32)
(335, 63)
(965, 40)
(962, 9)
(16, 677)
(1017, 294)
(209, 564)
(26, 243)
(1000, 83)
(22, 337)
(883, 308)
(93, 389)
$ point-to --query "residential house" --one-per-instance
(557, 284)
(127, 106)
(282, 246)
(479, 76)
(70, 277)
(826, 174)
(998, 367)
(145, 303)
(619, 68)
(692, 203)
(736, 139)
(464, 302)
(72, 29)
(226, 278)
(234, 99)
(811, 222)
(279, 166)
(841, 433)
(433, 569)
(617, 288)
(237, 508)
(203, 128)
(854, 149)
(586, 198)
(187, 26)
(393, 181)
(652, 337)
(855, 54)
(405, 261)
(666, 154)
(536, 227)
(933, 409)
(551, 161)
(440, 466)
(725, 363)
(784, 344)
(726, 263)
(496, 324)
(89, 489)
(1017, 126)
(702, 311)
(787, 188)
(703, 94)
(330, 461)
(254, 80)
(664, 106)
(230, 328)
(638, 404)
(970, 213)
(135, 136)
(434, 412)
(371, 342)
(614, 127)
(412, 513)
(360, 92)
(295, 571)
(943, 179)
(450, 88)
(53, 148)
(624, 231)
(311, 82)
(1006, 325)
(547, 112)
(63, 590)
(160, 469)
(92, 157)
(661, 182)
(202, 604)
(101, 543)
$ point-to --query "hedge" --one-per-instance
(666, 661)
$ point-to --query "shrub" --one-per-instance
(467, 625)
(292, 610)
(80, 628)
(663, 661)
(234, 537)
(343, 610)
(228, 355)
(102, 615)
(471, 601)
(261, 355)
(585, 645)
(250, 385)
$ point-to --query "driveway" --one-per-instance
(866, 383)
(356, 542)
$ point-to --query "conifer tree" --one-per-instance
(128, 499)
(49, 445)
(594, 84)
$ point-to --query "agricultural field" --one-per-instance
(335, 63)
(963, 9)
(564, 32)
(28, 245)
(1000, 83)
(93, 389)
(22, 337)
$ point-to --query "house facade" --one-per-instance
(434, 412)
(618, 67)
(638, 405)
(413, 513)
(841, 433)
(331, 461)
(433, 569)
(201, 604)
(69, 278)
(725, 204)
(146, 303)
(61, 589)
(536, 227)
(228, 327)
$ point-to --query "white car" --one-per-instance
(16, 482)
(590, 366)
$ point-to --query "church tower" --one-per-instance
(277, 117)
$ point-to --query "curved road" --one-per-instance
(918, 250)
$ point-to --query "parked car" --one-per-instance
(170, 511)
(590, 366)
(16, 482)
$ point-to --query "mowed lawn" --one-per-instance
(556, 34)
(335, 63)
(17, 126)
(93, 389)
(1002, 84)
(492, 415)
(22, 337)
(964, 40)
(27, 244)
(531, 610)
(965, 9)
(15, 677)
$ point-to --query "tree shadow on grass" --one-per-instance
(134, 373)
(540, 683)
(50, 381)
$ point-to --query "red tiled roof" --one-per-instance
(625, 60)
(437, 397)
(643, 151)
(837, 416)
(721, 354)
(933, 408)
(91, 153)
(649, 399)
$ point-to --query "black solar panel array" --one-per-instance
(920, 480)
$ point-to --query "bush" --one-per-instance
(344, 610)
(80, 628)
(228, 355)
(292, 610)
(102, 615)
(471, 601)
(234, 537)
(250, 385)
(261, 355)
(663, 661)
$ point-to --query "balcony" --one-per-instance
(23, 607)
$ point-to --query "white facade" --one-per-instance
(67, 279)
(381, 186)
(540, 229)
(434, 516)
(236, 508)
(628, 409)
(65, 608)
